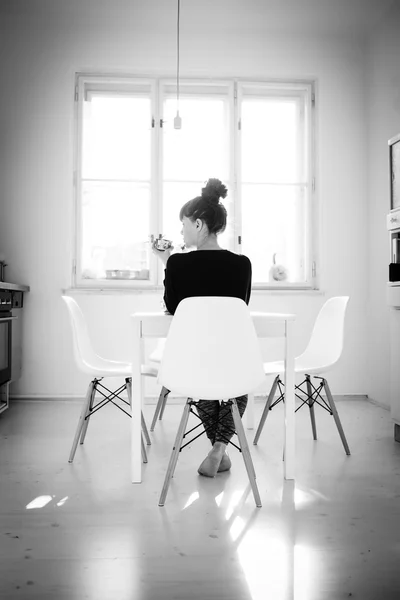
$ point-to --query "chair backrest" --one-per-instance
(212, 350)
(83, 351)
(326, 342)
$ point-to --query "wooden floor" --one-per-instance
(70, 532)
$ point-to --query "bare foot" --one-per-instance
(210, 465)
(225, 463)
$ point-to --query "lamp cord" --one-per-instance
(177, 65)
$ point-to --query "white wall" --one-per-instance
(383, 92)
(44, 44)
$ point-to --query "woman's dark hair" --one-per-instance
(207, 207)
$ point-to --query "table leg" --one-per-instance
(289, 434)
(136, 457)
(250, 412)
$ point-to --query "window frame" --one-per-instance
(235, 90)
(199, 88)
(308, 89)
(111, 84)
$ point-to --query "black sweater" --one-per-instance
(206, 273)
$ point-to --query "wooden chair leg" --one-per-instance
(310, 403)
(87, 417)
(144, 429)
(175, 453)
(81, 422)
(336, 417)
(128, 383)
(245, 452)
(164, 392)
(266, 410)
(164, 404)
(144, 453)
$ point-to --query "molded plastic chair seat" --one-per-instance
(322, 353)
(115, 368)
(211, 351)
(301, 365)
(99, 368)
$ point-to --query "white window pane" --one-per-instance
(116, 138)
(115, 230)
(274, 223)
(174, 197)
(200, 149)
(270, 138)
(125, 163)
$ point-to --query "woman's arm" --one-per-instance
(171, 299)
(248, 290)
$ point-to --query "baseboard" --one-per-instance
(46, 398)
(377, 403)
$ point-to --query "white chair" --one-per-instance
(97, 368)
(322, 353)
(212, 351)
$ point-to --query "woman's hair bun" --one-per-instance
(214, 190)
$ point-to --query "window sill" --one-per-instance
(258, 290)
(275, 291)
(112, 290)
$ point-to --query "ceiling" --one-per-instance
(211, 17)
(316, 17)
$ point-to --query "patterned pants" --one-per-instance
(210, 411)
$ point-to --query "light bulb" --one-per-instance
(177, 121)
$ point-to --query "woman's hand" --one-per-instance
(163, 255)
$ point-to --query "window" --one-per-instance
(134, 171)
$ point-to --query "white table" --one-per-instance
(156, 325)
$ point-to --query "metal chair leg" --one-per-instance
(84, 411)
(87, 416)
(310, 403)
(266, 410)
(164, 403)
(160, 401)
(245, 451)
(336, 417)
(175, 452)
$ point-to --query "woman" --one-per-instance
(211, 271)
